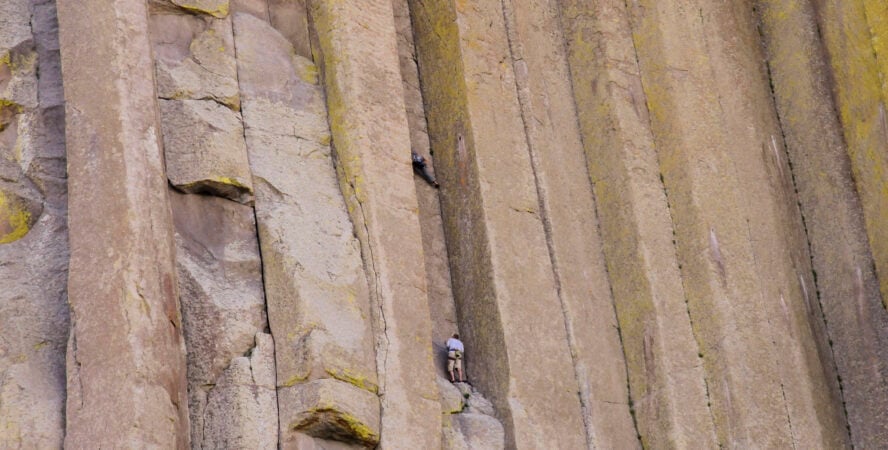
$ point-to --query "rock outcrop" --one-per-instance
(656, 224)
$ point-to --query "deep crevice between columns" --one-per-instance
(522, 93)
(267, 329)
(348, 189)
(785, 150)
(694, 332)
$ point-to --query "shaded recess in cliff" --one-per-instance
(34, 317)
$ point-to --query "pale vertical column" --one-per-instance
(568, 214)
(774, 226)
(358, 55)
(126, 357)
(665, 372)
(503, 280)
(846, 284)
(860, 101)
(715, 212)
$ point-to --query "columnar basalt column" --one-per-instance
(357, 52)
(849, 38)
(712, 122)
(503, 278)
(846, 284)
(665, 372)
(316, 290)
(567, 209)
(126, 357)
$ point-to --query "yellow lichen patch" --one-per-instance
(231, 182)
(220, 11)
(294, 380)
(354, 379)
(15, 220)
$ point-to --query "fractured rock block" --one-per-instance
(220, 284)
(332, 409)
(358, 55)
(242, 406)
(472, 431)
(195, 59)
(205, 149)
(316, 290)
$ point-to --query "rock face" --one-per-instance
(126, 355)
(34, 317)
(318, 301)
(657, 224)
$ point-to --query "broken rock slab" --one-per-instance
(316, 289)
(242, 407)
(470, 431)
(195, 58)
(205, 149)
(332, 409)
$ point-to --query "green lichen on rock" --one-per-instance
(16, 219)
(327, 422)
(217, 9)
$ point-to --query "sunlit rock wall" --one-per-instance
(660, 223)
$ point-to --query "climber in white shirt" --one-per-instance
(455, 351)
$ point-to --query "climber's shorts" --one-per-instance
(454, 360)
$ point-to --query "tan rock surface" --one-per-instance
(567, 208)
(33, 231)
(204, 149)
(358, 55)
(846, 284)
(316, 290)
(665, 373)
(851, 42)
(751, 244)
(195, 58)
(126, 356)
(242, 407)
(442, 307)
(223, 304)
(510, 313)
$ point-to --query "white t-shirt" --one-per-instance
(454, 344)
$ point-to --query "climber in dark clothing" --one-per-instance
(421, 169)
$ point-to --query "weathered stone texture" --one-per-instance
(568, 213)
(242, 407)
(493, 225)
(205, 149)
(195, 58)
(358, 55)
(33, 231)
(202, 131)
(846, 283)
(126, 356)
(470, 431)
(743, 296)
(665, 373)
(440, 294)
(223, 305)
(851, 44)
(316, 290)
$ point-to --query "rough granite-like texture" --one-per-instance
(510, 313)
(765, 381)
(851, 46)
(33, 230)
(567, 208)
(846, 284)
(223, 303)
(205, 149)
(242, 407)
(126, 355)
(665, 373)
(441, 304)
(317, 294)
(358, 56)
